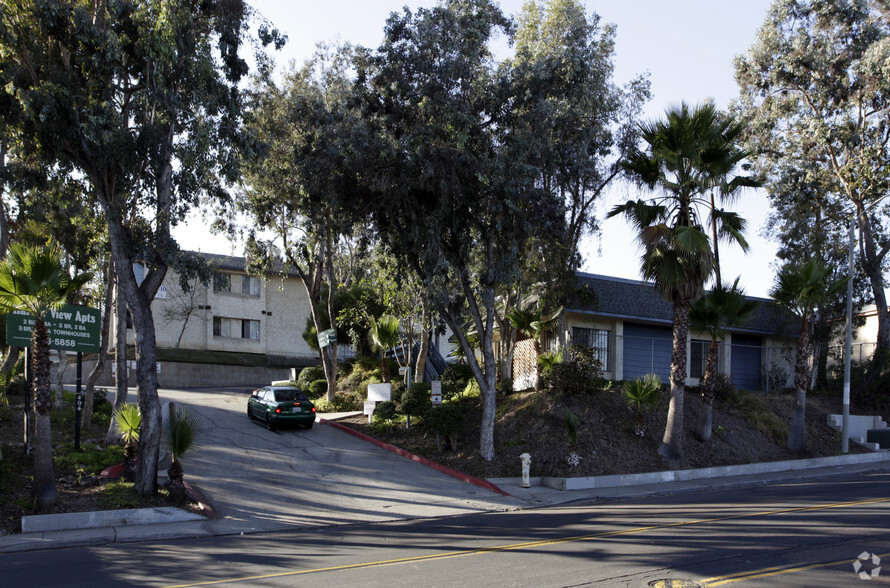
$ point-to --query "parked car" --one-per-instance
(281, 405)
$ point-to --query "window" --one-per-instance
(698, 358)
(237, 328)
(250, 330)
(250, 285)
(222, 282)
(596, 339)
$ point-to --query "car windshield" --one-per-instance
(287, 395)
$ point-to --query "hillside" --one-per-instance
(748, 428)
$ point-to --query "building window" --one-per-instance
(222, 282)
(250, 285)
(236, 328)
(596, 339)
(250, 330)
(698, 358)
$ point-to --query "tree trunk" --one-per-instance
(425, 333)
(99, 368)
(672, 443)
(120, 361)
(704, 426)
(537, 347)
(872, 264)
(12, 358)
(43, 486)
(797, 440)
(60, 376)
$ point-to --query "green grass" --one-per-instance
(91, 460)
(759, 415)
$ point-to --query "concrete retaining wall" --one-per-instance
(192, 375)
(715, 472)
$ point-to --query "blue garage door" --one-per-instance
(647, 349)
(746, 353)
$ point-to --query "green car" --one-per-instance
(281, 405)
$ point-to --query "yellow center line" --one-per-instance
(545, 542)
(774, 571)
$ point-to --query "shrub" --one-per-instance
(309, 375)
(454, 380)
(446, 420)
(581, 373)
(642, 394)
(572, 424)
(100, 403)
(318, 388)
(472, 390)
(506, 386)
(416, 400)
(340, 403)
(385, 411)
(91, 458)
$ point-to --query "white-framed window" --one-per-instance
(597, 339)
(250, 285)
(236, 328)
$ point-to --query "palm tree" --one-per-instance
(128, 420)
(33, 279)
(181, 431)
(801, 289)
(642, 394)
(533, 324)
(688, 153)
(384, 334)
(718, 310)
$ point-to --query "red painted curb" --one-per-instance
(421, 460)
(198, 496)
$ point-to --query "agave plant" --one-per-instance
(128, 420)
(642, 394)
(181, 431)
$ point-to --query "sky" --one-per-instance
(687, 46)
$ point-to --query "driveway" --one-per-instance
(264, 480)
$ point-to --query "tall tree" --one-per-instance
(683, 153)
(298, 186)
(454, 192)
(721, 308)
(815, 85)
(801, 288)
(142, 99)
(579, 123)
(33, 279)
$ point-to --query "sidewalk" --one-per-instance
(514, 497)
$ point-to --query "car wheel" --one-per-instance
(249, 413)
(309, 425)
(269, 424)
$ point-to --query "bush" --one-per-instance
(101, 405)
(91, 459)
(506, 386)
(309, 375)
(416, 400)
(472, 390)
(385, 411)
(317, 389)
(340, 403)
(582, 373)
(446, 420)
(455, 379)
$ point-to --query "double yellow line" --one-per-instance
(717, 581)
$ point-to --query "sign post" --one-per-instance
(72, 328)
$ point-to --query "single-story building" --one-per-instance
(629, 327)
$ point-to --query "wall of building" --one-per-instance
(190, 375)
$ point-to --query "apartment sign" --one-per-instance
(70, 328)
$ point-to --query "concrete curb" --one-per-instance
(106, 518)
(421, 460)
(720, 472)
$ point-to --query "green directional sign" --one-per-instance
(327, 337)
(72, 328)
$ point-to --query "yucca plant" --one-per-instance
(572, 425)
(128, 420)
(642, 394)
(180, 432)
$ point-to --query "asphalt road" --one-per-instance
(801, 534)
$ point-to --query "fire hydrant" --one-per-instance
(526, 460)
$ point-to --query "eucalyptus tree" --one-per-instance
(801, 288)
(579, 123)
(454, 192)
(300, 185)
(142, 99)
(681, 161)
(815, 86)
(721, 308)
(33, 279)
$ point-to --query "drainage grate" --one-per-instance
(671, 583)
